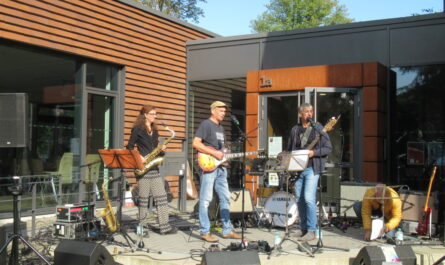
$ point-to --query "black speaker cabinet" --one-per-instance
(248, 257)
(71, 252)
(373, 255)
(13, 119)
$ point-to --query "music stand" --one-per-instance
(121, 159)
(292, 162)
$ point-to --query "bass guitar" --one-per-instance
(208, 163)
(423, 225)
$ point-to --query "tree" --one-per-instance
(182, 9)
(297, 14)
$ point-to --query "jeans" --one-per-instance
(358, 211)
(305, 193)
(216, 179)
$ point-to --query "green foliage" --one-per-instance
(182, 9)
(297, 14)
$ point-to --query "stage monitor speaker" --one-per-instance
(247, 257)
(13, 119)
(71, 252)
(374, 255)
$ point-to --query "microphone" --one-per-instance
(311, 121)
(234, 119)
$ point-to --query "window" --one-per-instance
(420, 123)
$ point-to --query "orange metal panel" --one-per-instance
(252, 103)
(252, 81)
(373, 172)
(372, 149)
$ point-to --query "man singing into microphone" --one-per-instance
(306, 185)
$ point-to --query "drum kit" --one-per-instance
(276, 204)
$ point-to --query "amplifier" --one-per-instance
(75, 213)
(77, 230)
(413, 203)
(350, 193)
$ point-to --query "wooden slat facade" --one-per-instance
(152, 48)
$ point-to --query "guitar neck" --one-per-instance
(314, 142)
(429, 189)
(235, 155)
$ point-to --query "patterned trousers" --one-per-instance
(152, 183)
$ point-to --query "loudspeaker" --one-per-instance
(247, 257)
(13, 119)
(71, 252)
(373, 255)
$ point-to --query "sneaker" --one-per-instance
(309, 236)
(173, 230)
(300, 233)
(209, 238)
(232, 235)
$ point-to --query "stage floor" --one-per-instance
(186, 247)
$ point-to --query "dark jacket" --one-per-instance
(321, 149)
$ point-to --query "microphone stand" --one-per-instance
(320, 244)
(242, 139)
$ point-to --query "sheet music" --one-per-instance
(377, 225)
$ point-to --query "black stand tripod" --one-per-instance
(320, 244)
(122, 159)
(90, 184)
(242, 140)
(286, 215)
(16, 191)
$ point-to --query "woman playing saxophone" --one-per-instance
(145, 136)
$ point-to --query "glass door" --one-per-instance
(341, 162)
(278, 114)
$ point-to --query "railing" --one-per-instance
(42, 193)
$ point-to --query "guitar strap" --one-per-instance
(305, 136)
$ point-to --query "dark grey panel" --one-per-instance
(418, 45)
(354, 47)
(222, 62)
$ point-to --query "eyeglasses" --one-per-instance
(153, 114)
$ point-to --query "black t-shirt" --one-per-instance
(145, 142)
(211, 133)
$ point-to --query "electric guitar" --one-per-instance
(208, 163)
(422, 226)
(327, 128)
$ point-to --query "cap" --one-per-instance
(217, 104)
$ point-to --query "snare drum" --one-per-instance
(275, 209)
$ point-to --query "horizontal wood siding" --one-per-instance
(151, 48)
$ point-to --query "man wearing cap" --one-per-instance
(209, 139)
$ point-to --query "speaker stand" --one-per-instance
(16, 191)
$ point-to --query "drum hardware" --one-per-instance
(276, 216)
(281, 209)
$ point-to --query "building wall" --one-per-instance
(150, 47)
(411, 40)
(369, 77)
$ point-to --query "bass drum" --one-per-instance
(275, 209)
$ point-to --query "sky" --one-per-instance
(232, 17)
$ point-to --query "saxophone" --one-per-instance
(151, 160)
(108, 213)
